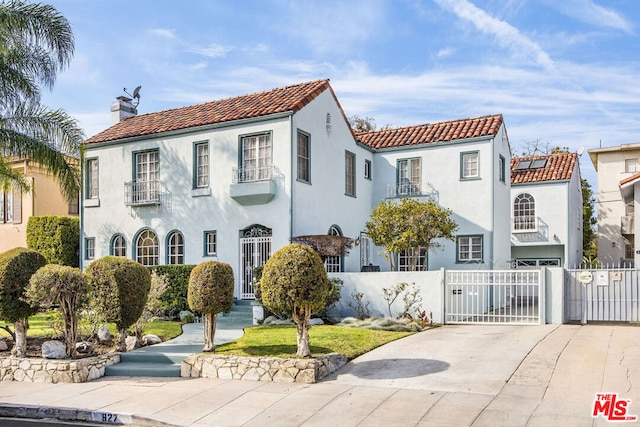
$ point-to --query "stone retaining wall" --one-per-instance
(55, 371)
(261, 368)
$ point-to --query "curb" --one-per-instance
(70, 414)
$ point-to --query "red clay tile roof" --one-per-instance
(430, 133)
(281, 100)
(559, 167)
(630, 179)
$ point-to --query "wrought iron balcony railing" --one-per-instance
(253, 173)
(141, 193)
(407, 189)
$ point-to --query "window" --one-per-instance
(349, 174)
(201, 167)
(523, 164)
(210, 243)
(502, 169)
(629, 251)
(405, 260)
(6, 207)
(538, 164)
(470, 165)
(147, 248)
(118, 246)
(256, 158)
(365, 250)
(92, 179)
(524, 213)
(73, 208)
(469, 248)
(90, 248)
(333, 264)
(630, 165)
(367, 169)
(147, 166)
(409, 177)
(535, 263)
(303, 157)
(175, 248)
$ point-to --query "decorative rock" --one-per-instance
(132, 343)
(84, 347)
(53, 350)
(103, 333)
(186, 314)
(151, 339)
(273, 320)
(3, 345)
(316, 321)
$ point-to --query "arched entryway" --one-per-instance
(255, 250)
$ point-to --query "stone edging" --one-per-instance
(261, 368)
(38, 370)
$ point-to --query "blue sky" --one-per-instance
(564, 72)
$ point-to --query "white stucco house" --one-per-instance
(546, 210)
(236, 179)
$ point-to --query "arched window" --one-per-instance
(175, 248)
(118, 245)
(333, 264)
(524, 213)
(147, 248)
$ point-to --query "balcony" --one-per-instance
(142, 193)
(529, 229)
(627, 224)
(407, 189)
(253, 185)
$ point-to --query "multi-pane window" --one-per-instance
(367, 169)
(201, 169)
(90, 248)
(147, 248)
(210, 243)
(349, 173)
(470, 166)
(630, 165)
(524, 213)
(92, 179)
(365, 250)
(256, 158)
(333, 264)
(118, 246)
(175, 248)
(469, 248)
(303, 157)
(409, 177)
(502, 169)
(406, 258)
(6, 207)
(147, 166)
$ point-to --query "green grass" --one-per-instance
(280, 341)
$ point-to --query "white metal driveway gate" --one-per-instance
(603, 295)
(494, 296)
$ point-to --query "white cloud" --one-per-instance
(589, 12)
(443, 53)
(214, 50)
(163, 33)
(505, 34)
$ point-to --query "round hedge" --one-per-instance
(211, 287)
(120, 287)
(294, 277)
(16, 268)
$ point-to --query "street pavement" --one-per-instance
(471, 375)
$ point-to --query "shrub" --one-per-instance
(64, 285)
(174, 299)
(211, 292)
(55, 237)
(333, 296)
(16, 268)
(153, 306)
(294, 281)
(120, 287)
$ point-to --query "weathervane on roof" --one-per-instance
(135, 95)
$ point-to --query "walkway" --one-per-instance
(450, 376)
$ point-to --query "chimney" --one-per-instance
(122, 109)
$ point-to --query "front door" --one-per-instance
(255, 250)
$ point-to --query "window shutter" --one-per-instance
(17, 207)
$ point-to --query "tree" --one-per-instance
(16, 268)
(119, 288)
(60, 285)
(295, 282)
(589, 240)
(210, 292)
(407, 226)
(366, 124)
(36, 42)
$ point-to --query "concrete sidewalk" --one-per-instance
(451, 376)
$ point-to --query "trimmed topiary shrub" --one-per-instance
(294, 281)
(16, 268)
(63, 285)
(174, 299)
(119, 291)
(211, 292)
(55, 237)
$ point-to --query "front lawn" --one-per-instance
(280, 341)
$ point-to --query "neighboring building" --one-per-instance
(546, 210)
(235, 179)
(617, 169)
(16, 207)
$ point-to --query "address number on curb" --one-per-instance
(110, 418)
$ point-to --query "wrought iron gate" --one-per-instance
(494, 296)
(602, 295)
(255, 250)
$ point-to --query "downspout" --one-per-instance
(81, 212)
(493, 203)
(291, 177)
